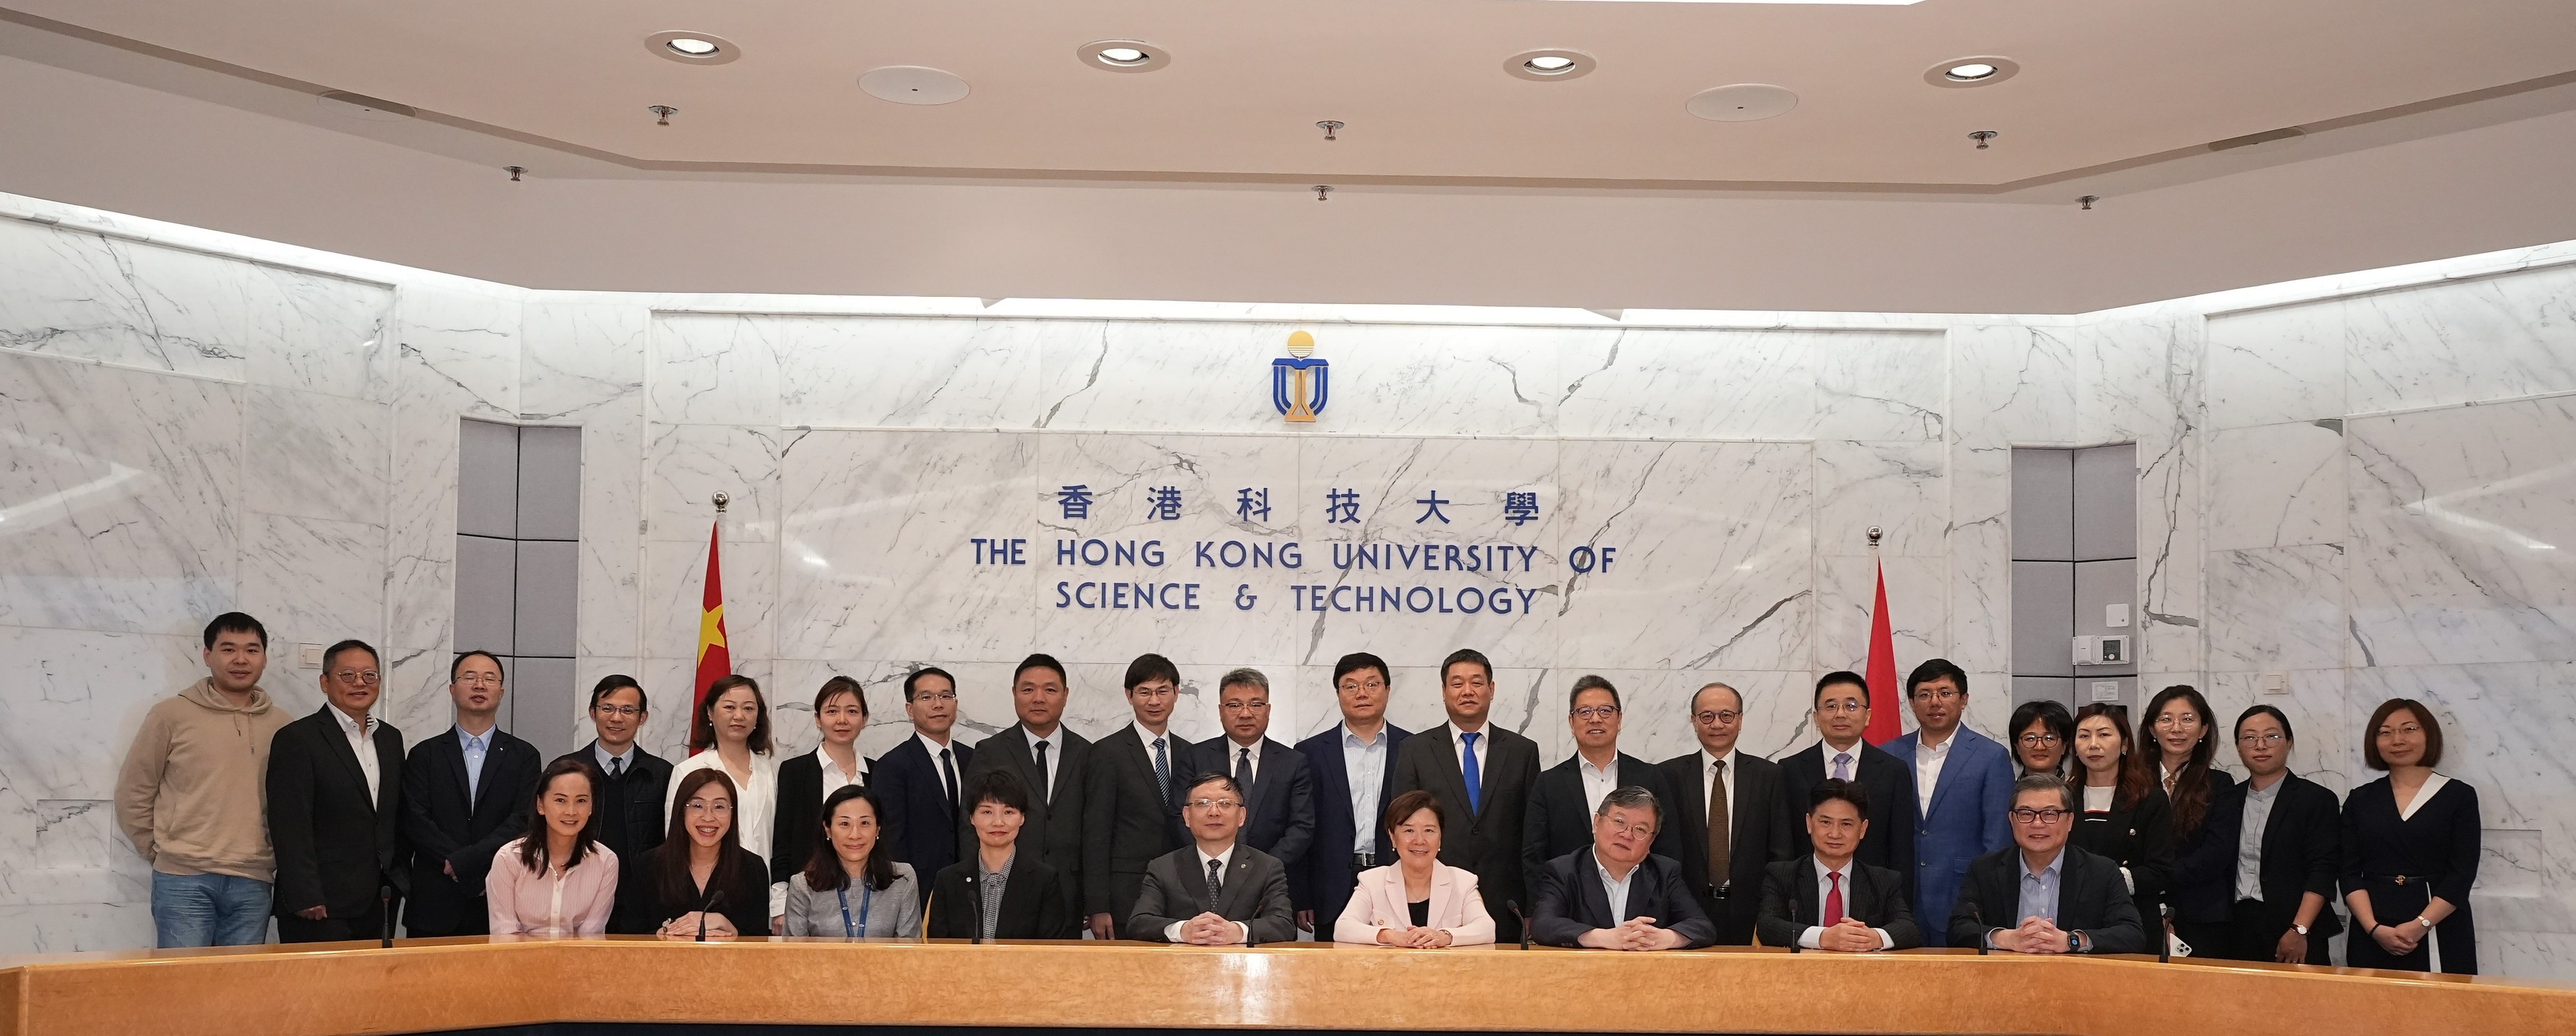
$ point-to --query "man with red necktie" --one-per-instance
(1830, 901)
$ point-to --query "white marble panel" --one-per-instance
(2274, 366)
(1715, 543)
(2278, 485)
(2012, 384)
(2276, 608)
(1880, 385)
(315, 456)
(609, 576)
(316, 333)
(896, 372)
(1897, 486)
(675, 579)
(712, 368)
(1978, 546)
(686, 465)
(2463, 524)
(312, 581)
(138, 305)
(878, 561)
(420, 527)
(415, 698)
(580, 358)
(2459, 341)
(460, 347)
(1698, 384)
(118, 501)
(1845, 591)
(2326, 749)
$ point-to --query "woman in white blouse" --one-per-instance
(1418, 902)
(732, 734)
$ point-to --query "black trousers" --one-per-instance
(2255, 930)
(2211, 939)
(366, 927)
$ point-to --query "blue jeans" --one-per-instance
(208, 910)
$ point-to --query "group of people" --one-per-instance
(2073, 837)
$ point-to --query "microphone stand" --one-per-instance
(1975, 913)
(2164, 928)
(385, 904)
(975, 902)
(1515, 906)
(713, 898)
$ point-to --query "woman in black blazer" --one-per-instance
(702, 879)
(2284, 916)
(2126, 816)
(2179, 735)
(840, 712)
(2410, 843)
(1036, 902)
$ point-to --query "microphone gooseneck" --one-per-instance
(713, 898)
(385, 906)
(1514, 906)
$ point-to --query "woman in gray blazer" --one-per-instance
(849, 890)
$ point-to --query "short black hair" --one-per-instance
(1590, 682)
(1831, 789)
(331, 655)
(458, 665)
(912, 680)
(613, 682)
(1213, 777)
(999, 787)
(1934, 669)
(2266, 710)
(1041, 660)
(235, 622)
(1145, 668)
(1837, 678)
(1463, 656)
(1356, 661)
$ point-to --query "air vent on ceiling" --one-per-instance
(362, 106)
(2251, 139)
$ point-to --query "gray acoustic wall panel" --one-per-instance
(550, 483)
(2043, 596)
(487, 480)
(2106, 502)
(2043, 505)
(2058, 689)
(542, 704)
(546, 598)
(486, 576)
(2099, 585)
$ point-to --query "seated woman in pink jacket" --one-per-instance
(1419, 902)
(556, 879)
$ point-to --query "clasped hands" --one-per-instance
(2036, 935)
(1636, 933)
(1849, 935)
(1413, 938)
(685, 926)
(2399, 939)
(1208, 929)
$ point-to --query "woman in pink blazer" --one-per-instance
(1420, 902)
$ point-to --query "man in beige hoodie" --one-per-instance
(191, 795)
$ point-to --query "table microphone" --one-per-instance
(975, 902)
(1977, 914)
(713, 898)
(2164, 926)
(1515, 906)
(385, 903)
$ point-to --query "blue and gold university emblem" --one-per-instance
(1300, 384)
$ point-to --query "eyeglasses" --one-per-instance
(1719, 717)
(2177, 721)
(2265, 739)
(618, 711)
(718, 807)
(2039, 740)
(1844, 705)
(1596, 712)
(1633, 830)
(1212, 804)
(478, 679)
(356, 678)
(2027, 815)
(1943, 695)
(935, 696)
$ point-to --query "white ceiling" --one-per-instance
(2433, 130)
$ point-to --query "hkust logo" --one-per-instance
(1300, 383)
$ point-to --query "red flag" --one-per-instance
(1884, 723)
(715, 662)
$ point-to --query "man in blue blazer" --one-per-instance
(1353, 767)
(1963, 784)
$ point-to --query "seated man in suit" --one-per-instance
(1216, 892)
(1559, 820)
(1829, 901)
(2066, 900)
(1616, 894)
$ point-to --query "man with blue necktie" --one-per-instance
(1962, 788)
(1484, 776)
(1132, 811)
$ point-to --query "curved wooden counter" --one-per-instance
(445, 984)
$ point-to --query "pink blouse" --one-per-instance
(573, 902)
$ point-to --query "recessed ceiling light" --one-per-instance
(1984, 70)
(1552, 63)
(692, 48)
(1122, 55)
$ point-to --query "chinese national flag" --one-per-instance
(714, 660)
(1884, 723)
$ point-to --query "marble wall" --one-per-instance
(2351, 481)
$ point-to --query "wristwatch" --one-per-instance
(2428, 925)
(2301, 929)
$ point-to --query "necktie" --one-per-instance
(948, 777)
(1842, 766)
(1162, 774)
(1719, 864)
(1834, 899)
(1216, 881)
(1046, 788)
(616, 769)
(1475, 776)
(1243, 769)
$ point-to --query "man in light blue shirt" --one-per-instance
(2041, 895)
(1353, 764)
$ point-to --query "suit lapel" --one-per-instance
(492, 755)
(1447, 763)
(336, 742)
(1027, 761)
(1964, 746)
(388, 751)
(1238, 885)
(1596, 898)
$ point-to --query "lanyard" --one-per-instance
(867, 897)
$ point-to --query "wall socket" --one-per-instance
(2115, 616)
(2276, 683)
(309, 655)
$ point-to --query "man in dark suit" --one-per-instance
(1829, 901)
(466, 792)
(1218, 891)
(1842, 714)
(2043, 895)
(1278, 790)
(1352, 763)
(1052, 762)
(626, 814)
(334, 792)
(918, 781)
(1133, 812)
(1751, 817)
(1615, 894)
(2299, 825)
(1560, 811)
(1483, 776)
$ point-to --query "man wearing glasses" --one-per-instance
(1216, 891)
(916, 781)
(626, 814)
(1730, 817)
(1615, 894)
(1842, 715)
(2042, 895)
(1962, 786)
(1559, 820)
(465, 793)
(334, 796)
